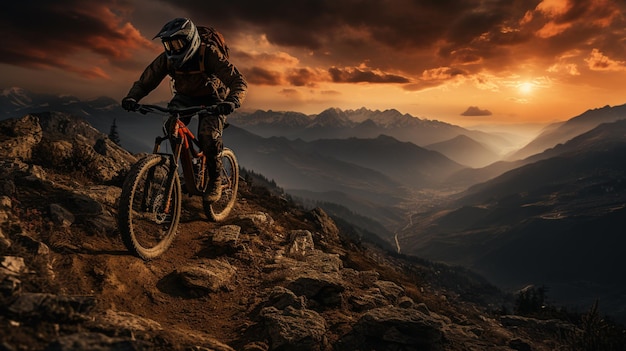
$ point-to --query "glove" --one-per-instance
(129, 104)
(225, 108)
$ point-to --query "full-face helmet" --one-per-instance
(180, 39)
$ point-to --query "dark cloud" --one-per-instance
(356, 75)
(356, 30)
(302, 77)
(474, 111)
(262, 76)
(42, 34)
(310, 24)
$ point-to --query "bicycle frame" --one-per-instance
(182, 139)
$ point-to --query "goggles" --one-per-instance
(174, 45)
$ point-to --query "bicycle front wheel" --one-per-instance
(219, 210)
(149, 208)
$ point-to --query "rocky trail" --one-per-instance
(274, 276)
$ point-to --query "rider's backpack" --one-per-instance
(210, 36)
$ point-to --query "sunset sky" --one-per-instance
(464, 62)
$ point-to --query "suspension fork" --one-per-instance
(147, 187)
(176, 142)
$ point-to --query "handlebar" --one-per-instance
(145, 108)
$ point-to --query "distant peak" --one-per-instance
(12, 91)
(17, 96)
(335, 110)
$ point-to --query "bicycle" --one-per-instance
(150, 203)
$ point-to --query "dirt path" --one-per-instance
(122, 282)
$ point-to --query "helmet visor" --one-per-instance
(175, 45)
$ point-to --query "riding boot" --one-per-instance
(214, 189)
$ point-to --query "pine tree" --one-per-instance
(113, 135)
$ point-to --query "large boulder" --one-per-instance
(293, 329)
(395, 328)
(19, 137)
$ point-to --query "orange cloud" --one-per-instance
(291, 94)
(441, 73)
(554, 8)
(552, 29)
(597, 61)
(268, 59)
(422, 85)
(563, 15)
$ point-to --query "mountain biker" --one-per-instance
(218, 83)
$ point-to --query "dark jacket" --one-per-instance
(220, 80)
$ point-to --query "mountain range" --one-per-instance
(363, 123)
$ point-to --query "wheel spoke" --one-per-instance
(148, 220)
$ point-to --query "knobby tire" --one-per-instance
(147, 224)
(219, 210)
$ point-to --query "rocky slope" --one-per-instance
(273, 277)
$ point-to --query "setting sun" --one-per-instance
(526, 87)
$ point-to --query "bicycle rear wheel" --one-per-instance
(147, 221)
(219, 210)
